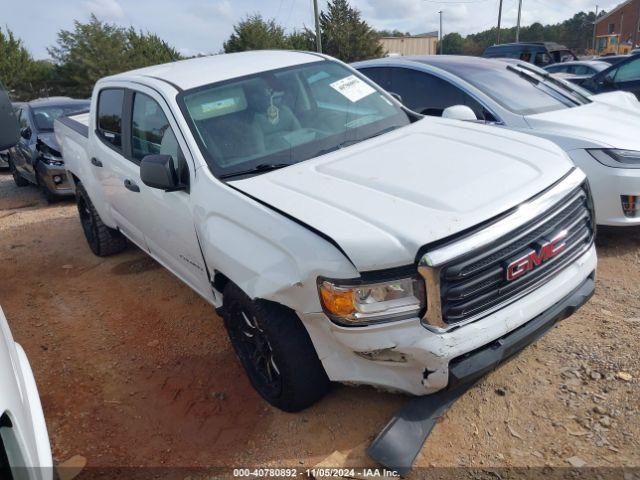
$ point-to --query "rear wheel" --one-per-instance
(102, 240)
(17, 178)
(275, 351)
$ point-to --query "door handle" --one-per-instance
(95, 162)
(130, 185)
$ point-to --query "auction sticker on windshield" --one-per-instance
(353, 88)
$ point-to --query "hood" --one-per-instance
(384, 198)
(598, 124)
(49, 139)
(618, 98)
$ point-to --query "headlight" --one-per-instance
(51, 160)
(617, 158)
(363, 304)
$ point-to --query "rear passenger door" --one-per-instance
(116, 172)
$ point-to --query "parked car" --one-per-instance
(342, 237)
(8, 126)
(612, 59)
(25, 452)
(538, 53)
(577, 71)
(624, 76)
(36, 157)
(602, 139)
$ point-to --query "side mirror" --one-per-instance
(459, 112)
(25, 133)
(158, 171)
(396, 96)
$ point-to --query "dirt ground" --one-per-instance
(134, 369)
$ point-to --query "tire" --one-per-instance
(102, 240)
(275, 351)
(17, 178)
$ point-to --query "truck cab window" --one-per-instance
(110, 116)
(151, 133)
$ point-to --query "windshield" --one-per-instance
(44, 116)
(281, 117)
(523, 93)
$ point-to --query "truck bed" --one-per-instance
(72, 134)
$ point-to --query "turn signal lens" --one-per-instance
(336, 300)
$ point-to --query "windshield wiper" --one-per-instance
(547, 78)
(523, 74)
(347, 143)
(261, 168)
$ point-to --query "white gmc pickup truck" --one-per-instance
(341, 237)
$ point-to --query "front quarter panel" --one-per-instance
(266, 254)
(19, 400)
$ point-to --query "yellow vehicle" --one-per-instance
(611, 45)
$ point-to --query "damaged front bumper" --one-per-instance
(55, 179)
(398, 444)
(406, 356)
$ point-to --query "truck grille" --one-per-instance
(477, 282)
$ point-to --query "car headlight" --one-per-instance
(51, 160)
(617, 158)
(366, 303)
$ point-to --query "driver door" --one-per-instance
(627, 77)
(22, 156)
(167, 222)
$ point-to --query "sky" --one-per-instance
(201, 26)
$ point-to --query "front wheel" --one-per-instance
(275, 351)
(18, 179)
(102, 240)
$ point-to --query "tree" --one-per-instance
(15, 59)
(392, 33)
(255, 33)
(97, 49)
(345, 35)
(452, 44)
(301, 40)
(23, 76)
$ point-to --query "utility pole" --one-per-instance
(499, 22)
(518, 26)
(620, 36)
(595, 25)
(441, 35)
(316, 13)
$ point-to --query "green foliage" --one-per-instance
(255, 33)
(392, 33)
(345, 35)
(576, 33)
(97, 49)
(302, 40)
(452, 44)
(24, 77)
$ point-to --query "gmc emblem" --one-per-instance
(533, 258)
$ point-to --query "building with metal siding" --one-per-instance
(424, 44)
